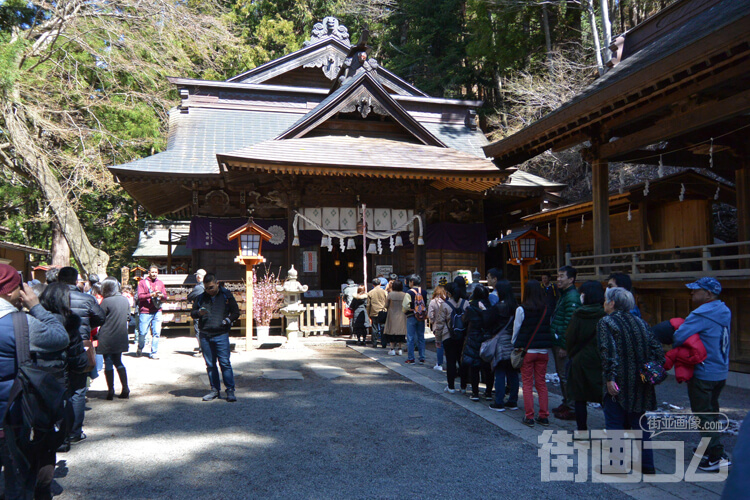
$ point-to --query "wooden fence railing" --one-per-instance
(318, 319)
(725, 259)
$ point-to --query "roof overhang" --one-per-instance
(708, 55)
(367, 157)
(23, 248)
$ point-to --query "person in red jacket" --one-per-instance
(685, 357)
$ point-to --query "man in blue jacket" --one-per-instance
(710, 319)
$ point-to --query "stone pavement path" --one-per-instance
(734, 402)
(314, 422)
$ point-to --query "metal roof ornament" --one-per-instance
(330, 27)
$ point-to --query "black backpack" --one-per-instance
(456, 325)
(39, 415)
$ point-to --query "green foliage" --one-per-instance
(9, 54)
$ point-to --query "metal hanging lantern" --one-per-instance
(371, 248)
(350, 245)
(399, 241)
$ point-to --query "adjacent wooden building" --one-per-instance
(677, 95)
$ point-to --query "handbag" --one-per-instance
(489, 347)
(653, 373)
(516, 357)
(91, 355)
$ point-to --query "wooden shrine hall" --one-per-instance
(677, 95)
(302, 142)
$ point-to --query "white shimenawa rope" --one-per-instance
(351, 233)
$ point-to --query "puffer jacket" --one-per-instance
(76, 357)
(90, 312)
(684, 358)
(476, 333)
(569, 301)
(46, 335)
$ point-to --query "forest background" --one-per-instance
(83, 86)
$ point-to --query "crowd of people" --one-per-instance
(77, 328)
(603, 351)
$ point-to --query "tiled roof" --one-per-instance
(386, 156)
(196, 137)
(459, 137)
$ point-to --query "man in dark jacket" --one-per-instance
(215, 312)
(92, 315)
(196, 292)
(46, 335)
(568, 302)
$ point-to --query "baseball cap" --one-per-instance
(709, 284)
(200, 272)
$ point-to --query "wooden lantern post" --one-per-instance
(524, 247)
(249, 238)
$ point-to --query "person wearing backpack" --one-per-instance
(452, 332)
(215, 311)
(46, 335)
(415, 308)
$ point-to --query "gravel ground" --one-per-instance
(368, 434)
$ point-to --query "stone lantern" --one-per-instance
(293, 308)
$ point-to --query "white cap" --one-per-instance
(200, 272)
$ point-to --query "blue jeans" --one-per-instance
(218, 348)
(501, 375)
(617, 418)
(78, 389)
(377, 331)
(440, 351)
(146, 320)
(414, 333)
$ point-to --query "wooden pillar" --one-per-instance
(558, 244)
(169, 251)
(248, 307)
(600, 196)
(742, 186)
(643, 225)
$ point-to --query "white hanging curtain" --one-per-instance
(374, 235)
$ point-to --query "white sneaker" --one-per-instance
(400, 352)
(449, 390)
(392, 352)
(437, 368)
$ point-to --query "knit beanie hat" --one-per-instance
(9, 279)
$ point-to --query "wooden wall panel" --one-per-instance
(662, 301)
(682, 224)
(445, 260)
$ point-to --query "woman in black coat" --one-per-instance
(113, 336)
(478, 330)
(56, 299)
(504, 371)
